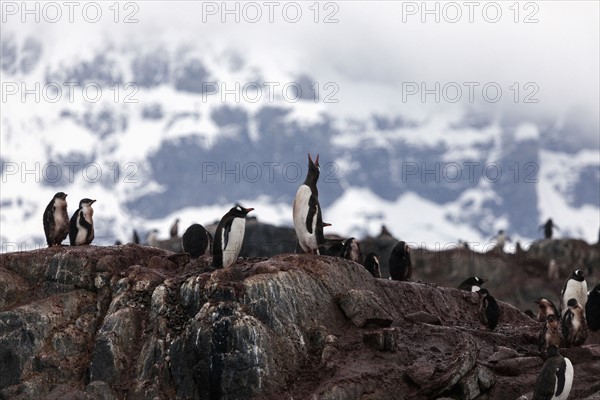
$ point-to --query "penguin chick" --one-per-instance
(555, 379)
(592, 309)
(372, 265)
(472, 284)
(195, 240)
(351, 250)
(550, 334)
(229, 237)
(489, 310)
(399, 263)
(574, 288)
(56, 220)
(174, 231)
(545, 308)
(81, 226)
(308, 220)
(574, 327)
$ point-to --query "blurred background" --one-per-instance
(443, 121)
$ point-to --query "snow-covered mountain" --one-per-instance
(164, 132)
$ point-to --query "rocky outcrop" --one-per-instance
(142, 323)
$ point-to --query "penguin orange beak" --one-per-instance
(248, 209)
(326, 224)
(93, 201)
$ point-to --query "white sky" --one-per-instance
(374, 49)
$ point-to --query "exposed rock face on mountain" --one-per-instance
(138, 322)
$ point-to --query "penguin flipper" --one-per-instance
(49, 223)
(313, 209)
(226, 230)
(543, 390)
(560, 377)
(83, 222)
(73, 227)
(566, 325)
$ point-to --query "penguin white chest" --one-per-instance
(60, 207)
(568, 382)
(575, 290)
(82, 232)
(234, 244)
(308, 241)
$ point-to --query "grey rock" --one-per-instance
(363, 308)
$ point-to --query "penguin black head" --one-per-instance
(313, 171)
(552, 351)
(578, 275)
(572, 303)
(86, 202)
(501, 232)
(483, 292)
(60, 195)
(240, 212)
(477, 280)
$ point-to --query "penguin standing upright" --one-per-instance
(308, 220)
(399, 263)
(501, 239)
(592, 309)
(574, 288)
(352, 251)
(574, 327)
(556, 378)
(372, 265)
(545, 308)
(547, 227)
(229, 237)
(489, 310)
(553, 272)
(135, 238)
(174, 231)
(56, 220)
(551, 334)
(195, 240)
(472, 284)
(81, 229)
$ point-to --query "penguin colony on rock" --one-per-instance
(565, 327)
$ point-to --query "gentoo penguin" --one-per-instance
(574, 327)
(545, 308)
(352, 251)
(229, 237)
(552, 270)
(489, 310)
(308, 221)
(174, 228)
(574, 288)
(472, 284)
(56, 220)
(547, 227)
(555, 379)
(372, 264)
(135, 238)
(399, 263)
(152, 239)
(501, 239)
(195, 240)
(81, 229)
(551, 334)
(592, 309)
